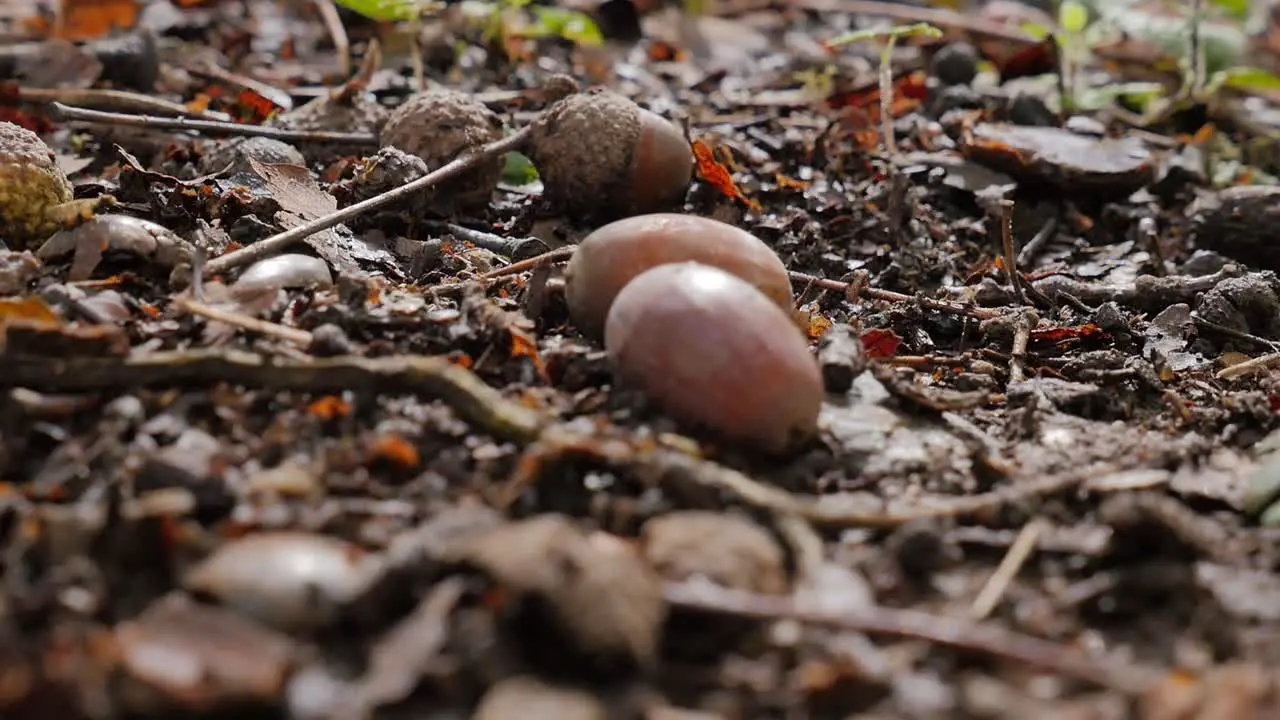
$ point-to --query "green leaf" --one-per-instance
(1239, 9)
(924, 30)
(1138, 93)
(1073, 16)
(571, 25)
(1224, 45)
(1246, 79)
(387, 10)
(518, 169)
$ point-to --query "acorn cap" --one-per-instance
(440, 125)
(602, 157)
(31, 183)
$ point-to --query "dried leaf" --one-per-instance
(28, 309)
(715, 174)
(881, 343)
(88, 19)
(329, 408)
(393, 450)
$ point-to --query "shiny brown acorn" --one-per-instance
(713, 351)
(607, 259)
(601, 157)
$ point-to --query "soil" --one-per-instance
(377, 473)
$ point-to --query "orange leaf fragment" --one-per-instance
(522, 345)
(395, 451)
(27, 309)
(816, 326)
(880, 343)
(253, 108)
(87, 19)
(715, 174)
(789, 183)
(329, 407)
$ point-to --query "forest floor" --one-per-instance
(396, 481)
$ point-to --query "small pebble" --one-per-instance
(728, 550)
(955, 64)
(283, 272)
(292, 581)
(527, 698)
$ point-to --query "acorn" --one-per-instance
(31, 186)
(713, 351)
(440, 125)
(611, 256)
(602, 157)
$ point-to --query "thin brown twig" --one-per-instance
(679, 471)
(1009, 248)
(279, 242)
(913, 13)
(1008, 568)
(341, 44)
(246, 322)
(1023, 325)
(551, 256)
(1252, 365)
(62, 112)
(890, 296)
(433, 377)
(104, 100)
(956, 633)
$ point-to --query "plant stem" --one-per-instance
(277, 243)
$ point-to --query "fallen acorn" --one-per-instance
(712, 350)
(613, 255)
(440, 125)
(601, 157)
(31, 186)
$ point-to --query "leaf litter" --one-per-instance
(288, 432)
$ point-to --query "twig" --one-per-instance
(956, 633)
(1258, 364)
(890, 296)
(1149, 237)
(1033, 247)
(240, 320)
(679, 471)
(1209, 325)
(885, 76)
(117, 100)
(62, 112)
(341, 44)
(433, 377)
(1007, 570)
(1025, 322)
(913, 13)
(1196, 53)
(1008, 246)
(546, 258)
(476, 402)
(279, 242)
